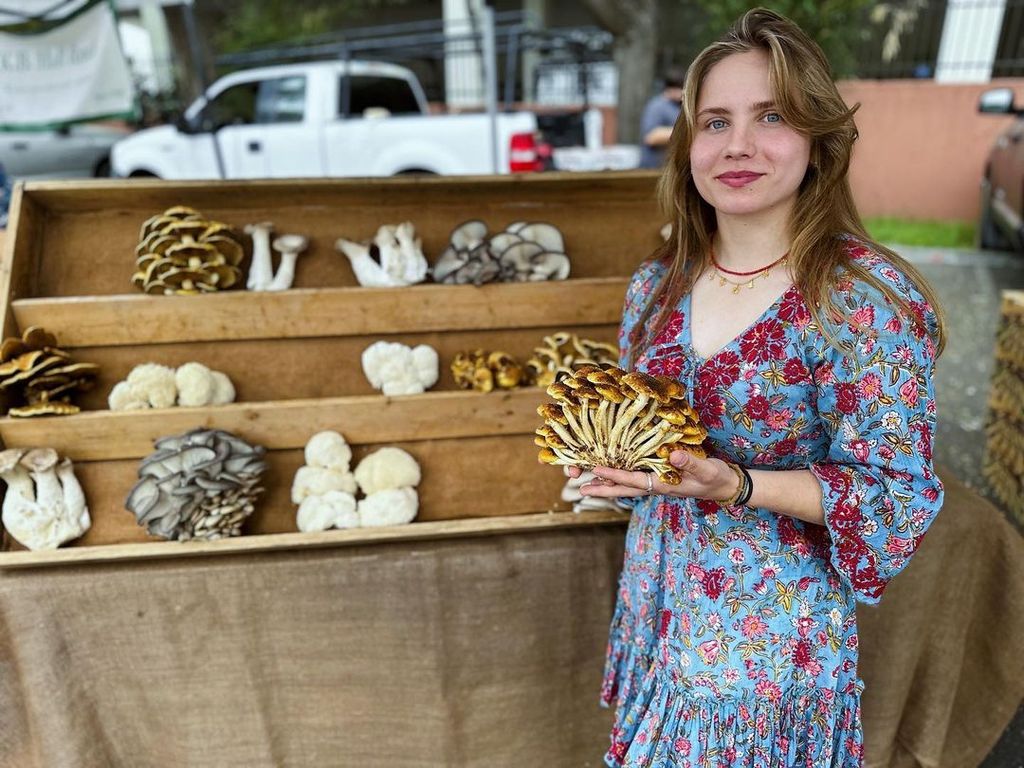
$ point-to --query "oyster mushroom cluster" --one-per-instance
(525, 251)
(199, 485)
(483, 371)
(39, 378)
(562, 352)
(180, 251)
(393, 258)
(44, 505)
(605, 416)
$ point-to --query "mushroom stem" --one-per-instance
(261, 271)
(290, 247)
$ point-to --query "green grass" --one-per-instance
(941, 234)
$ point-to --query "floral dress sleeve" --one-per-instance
(876, 401)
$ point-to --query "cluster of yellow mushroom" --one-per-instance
(483, 371)
(180, 251)
(602, 415)
(562, 351)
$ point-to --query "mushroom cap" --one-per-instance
(9, 458)
(468, 234)
(610, 392)
(50, 408)
(40, 459)
(547, 235)
(645, 384)
(547, 456)
(291, 243)
(227, 246)
(551, 412)
(560, 391)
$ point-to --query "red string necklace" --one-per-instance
(720, 268)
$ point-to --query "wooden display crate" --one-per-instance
(294, 355)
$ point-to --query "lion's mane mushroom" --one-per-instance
(39, 378)
(562, 352)
(151, 385)
(44, 505)
(325, 488)
(393, 258)
(387, 477)
(396, 369)
(199, 485)
(180, 251)
(604, 416)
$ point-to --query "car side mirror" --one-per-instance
(997, 101)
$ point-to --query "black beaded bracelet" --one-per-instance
(748, 487)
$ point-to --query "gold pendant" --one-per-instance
(750, 284)
(722, 281)
(735, 289)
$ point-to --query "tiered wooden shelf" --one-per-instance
(294, 356)
(1004, 460)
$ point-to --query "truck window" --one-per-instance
(233, 106)
(282, 100)
(372, 91)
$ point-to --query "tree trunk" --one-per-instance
(634, 24)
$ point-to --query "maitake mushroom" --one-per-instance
(393, 258)
(605, 416)
(35, 371)
(562, 352)
(199, 485)
(180, 251)
(523, 252)
(483, 371)
(44, 505)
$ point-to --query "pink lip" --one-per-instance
(738, 178)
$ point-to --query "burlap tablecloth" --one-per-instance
(464, 652)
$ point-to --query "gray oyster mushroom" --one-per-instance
(523, 252)
(199, 485)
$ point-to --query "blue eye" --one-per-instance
(717, 124)
(773, 117)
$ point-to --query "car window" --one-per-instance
(282, 100)
(372, 91)
(233, 106)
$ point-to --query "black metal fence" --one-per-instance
(948, 40)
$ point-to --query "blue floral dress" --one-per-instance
(734, 638)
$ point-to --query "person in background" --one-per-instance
(659, 116)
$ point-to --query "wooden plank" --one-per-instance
(110, 435)
(312, 312)
(287, 542)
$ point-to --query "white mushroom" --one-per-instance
(195, 384)
(223, 389)
(51, 513)
(396, 506)
(19, 501)
(368, 272)
(426, 364)
(261, 271)
(74, 499)
(328, 450)
(550, 266)
(387, 468)
(468, 235)
(335, 509)
(290, 246)
(316, 481)
(395, 369)
(546, 235)
(414, 263)
(126, 397)
(156, 382)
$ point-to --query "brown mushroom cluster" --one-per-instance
(562, 352)
(524, 252)
(483, 371)
(199, 485)
(180, 251)
(38, 378)
(605, 416)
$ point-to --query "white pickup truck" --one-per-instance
(330, 118)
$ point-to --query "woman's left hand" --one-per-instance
(702, 479)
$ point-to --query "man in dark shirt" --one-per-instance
(659, 116)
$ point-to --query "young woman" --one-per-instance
(808, 351)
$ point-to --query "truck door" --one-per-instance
(262, 130)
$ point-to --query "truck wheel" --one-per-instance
(102, 169)
(990, 236)
(415, 172)
(142, 175)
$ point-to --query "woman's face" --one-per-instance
(745, 159)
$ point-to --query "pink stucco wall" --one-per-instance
(922, 146)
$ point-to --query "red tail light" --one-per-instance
(522, 154)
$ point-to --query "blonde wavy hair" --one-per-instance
(808, 100)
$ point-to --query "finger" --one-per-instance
(611, 491)
(701, 470)
(623, 477)
(573, 472)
